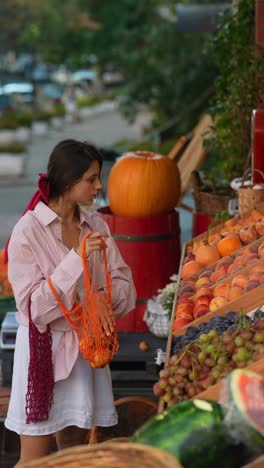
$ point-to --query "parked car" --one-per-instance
(89, 76)
(18, 94)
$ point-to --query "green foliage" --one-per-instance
(15, 148)
(238, 90)
(58, 110)
(8, 121)
(24, 118)
(219, 218)
(167, 71)
(85, 101)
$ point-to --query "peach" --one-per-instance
(227, 260)
(221, 290)
(184, 298)
(189, 257)
(184, 289)
(260, 227)
(240, 260)
(216, 303)
(240, 280)
(230, 223)
(251, 258)
(251, 285)
(204, 299)
(202, 282)
(218, 275)
(233, 269)
(248, 234)
(201, 292)
(234, 292)
(187, 313)
(190, 268)
(205, 273)
(183, 305)
(200, 311)
(257, 276)
(261, 250)
(249, 249)
(257, 268)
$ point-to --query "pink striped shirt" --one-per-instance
(36, 252)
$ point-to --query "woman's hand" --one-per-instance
(94, 243)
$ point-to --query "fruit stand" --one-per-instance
(211, 389)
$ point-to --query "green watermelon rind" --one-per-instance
(194, 436)
(238, 422)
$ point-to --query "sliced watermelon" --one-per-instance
(194, 432)
(245, 411)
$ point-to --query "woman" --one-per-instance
(46, 242)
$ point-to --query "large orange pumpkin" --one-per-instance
(142, 184)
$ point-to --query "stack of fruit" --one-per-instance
(218, 268)
(220, 346)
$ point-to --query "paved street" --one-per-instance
(102, 129)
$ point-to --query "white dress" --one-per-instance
(84, 399)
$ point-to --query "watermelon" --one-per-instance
(245, 411)
(194, 432)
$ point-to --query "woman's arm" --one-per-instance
(27, 280)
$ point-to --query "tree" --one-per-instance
(165, 70)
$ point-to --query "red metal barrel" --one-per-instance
(151, 247)
(201, 223)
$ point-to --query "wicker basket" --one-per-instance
(248, 197)
(132, 412)
(209, 203)
(108, 455)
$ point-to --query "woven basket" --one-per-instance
(132, 412)
(209, 203)
(108, 455)
(248, 196)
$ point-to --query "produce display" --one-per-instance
(143, 183)
(204, 434)
(220, 268)
(212, 355)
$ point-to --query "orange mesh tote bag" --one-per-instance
(90, 318)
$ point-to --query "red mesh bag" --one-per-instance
(39, 397)
(89, 318)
